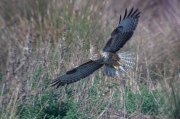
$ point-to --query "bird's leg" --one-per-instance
(116, 67)
(120, 63)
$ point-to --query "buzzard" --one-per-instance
(115, 64)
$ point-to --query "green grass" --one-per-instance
(41, 40)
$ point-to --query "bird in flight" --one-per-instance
(116, 64)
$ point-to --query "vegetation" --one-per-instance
(41, 39)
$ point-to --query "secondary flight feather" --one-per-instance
(115, 63)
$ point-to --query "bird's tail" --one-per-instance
(128, 61)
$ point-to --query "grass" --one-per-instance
(40, 40)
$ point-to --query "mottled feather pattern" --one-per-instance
(77, 73)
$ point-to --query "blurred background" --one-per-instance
(42, 39)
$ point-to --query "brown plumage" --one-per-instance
(115, 63)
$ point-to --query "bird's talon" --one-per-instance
(116, 67)
(120, 63)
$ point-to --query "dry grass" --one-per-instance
(41, 40)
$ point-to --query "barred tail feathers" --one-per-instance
(128, 60)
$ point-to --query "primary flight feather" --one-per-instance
(115, 64)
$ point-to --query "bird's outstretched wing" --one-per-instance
(123, 32)
(77, 73)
